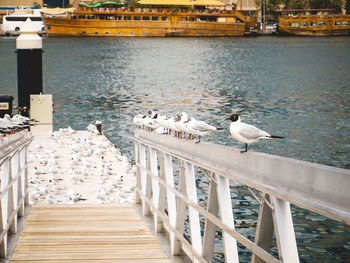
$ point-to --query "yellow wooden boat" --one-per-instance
(180, 18)
(314, 25)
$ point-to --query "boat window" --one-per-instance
(295, 24)
(303, 24)
(35, 18)
(183, 19)
(312, 24)
(90, 17)
(192, 19)
(164, 18)
(346, 23)
(337, 23)
(109, 17)
(212, 19)
(127, 17)
(81, 17)
(155, 18)
(101, 17)
(322, 23)
(118, 17)
(137, 17)
(74, 17)
(22, 18)
(145, 18)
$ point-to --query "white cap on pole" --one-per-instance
(29, 37)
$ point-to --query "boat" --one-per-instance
(314, 25)
(151, 18)
(12, 23)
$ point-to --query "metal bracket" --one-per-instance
(210, 177)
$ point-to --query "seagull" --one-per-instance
(247, 133)
(200, 128)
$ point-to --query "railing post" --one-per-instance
(284, 230)
(191, 191)
(13, 191)
(210, 228)
(264, 229)
(25, 179)
(162, 193)
(167, 167)
(146, 184)
(225, 206)
(143, 178)
(155, 188)
(5, 175)
(138, 172)
(21, 180)
(180, 210)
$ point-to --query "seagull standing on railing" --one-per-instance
(200, 128)
(247, 133)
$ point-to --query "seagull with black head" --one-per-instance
(247, 133)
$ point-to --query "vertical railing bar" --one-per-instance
(147, 183)
(210, 227)
(138, 172)
(180, 209)
(10, 205)
(284, 230)
(191, 191)
(264, 230)
(225, 207)
(162, 190)
(153, 165)
(171, 200)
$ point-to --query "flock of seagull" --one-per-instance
(10, 125)
(183, 123)
(80, 169)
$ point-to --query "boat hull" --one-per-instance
(134, 28)
(315, 33)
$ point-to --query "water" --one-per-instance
(295, 87)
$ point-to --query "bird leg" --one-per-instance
(246, 148)
(199, 139)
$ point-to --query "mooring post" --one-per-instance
(29, 66)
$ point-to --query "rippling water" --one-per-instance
(295, 87)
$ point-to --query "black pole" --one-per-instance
(29, 66)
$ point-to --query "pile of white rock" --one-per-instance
(68, 166)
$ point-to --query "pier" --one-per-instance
(168, 223)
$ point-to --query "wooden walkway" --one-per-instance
(86, 233)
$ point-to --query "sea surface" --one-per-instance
(289, 86)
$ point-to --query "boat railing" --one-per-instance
(161, 10)
(14, 185)
(170, 169)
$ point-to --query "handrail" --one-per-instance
(311, 186)
(13, 184)
(278, 181)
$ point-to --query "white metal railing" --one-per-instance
(273, 181)
(13, 184)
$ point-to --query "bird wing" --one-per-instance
(201, 126)
(251, 132)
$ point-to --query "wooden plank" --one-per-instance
(83, 233)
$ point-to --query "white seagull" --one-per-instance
(247, 133)
(200, 128)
